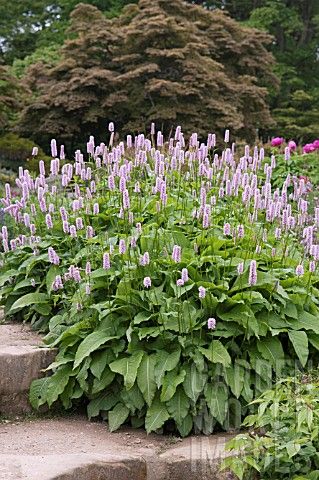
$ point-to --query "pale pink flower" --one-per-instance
(147, 282)
(211, 323)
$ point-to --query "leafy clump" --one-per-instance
(174, 280)
(284, 434)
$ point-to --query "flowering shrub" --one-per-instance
(283, 436)
(176, 282)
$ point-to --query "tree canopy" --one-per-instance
(9, 97)
(140, 73)
(294, 25)
(162, 62)
(30, 24)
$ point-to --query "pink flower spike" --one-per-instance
(72, 231)
(201, 292)
(122, 246)
(177, 253)
(88, 268)
(48, 221)
(211, 323)
(252, 280)
(185, 277)
(240, 268)
(96, 209)
(106, 261)
(54, 151)
(180, 282)
(312, 266)
(227, 229)
(89, 232)
(147, 282)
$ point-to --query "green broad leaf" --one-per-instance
(145, 332)
(239, 313)
(103, 402)
(91, 343)
(170, 383)
(216, 353)
(179, 291)
(117, 416)
(57, 384)
(263, 279)
(66, 395)
(235, 378)
(55, 321)
(38, 392)
(165, 362)
(235, 465)
(100, 359)
(142, 317)
(291, 310)
(53, 271)
(146, 379)
(83, 375)
(299, 341)
(306, 321)
(194, 382)
(106, 379)
(133, 398)
(27, 300)
(271, 349)
(58, 362)
(314, 340)
(101, 272)
(252, 462)
(217, 401)
(156, 416)
(178, 405)
(32, 261)
(5, 276)
(23, 284)
(127, 367)
(42, 308)
(185, 427)
(199, 360)
(292, 449)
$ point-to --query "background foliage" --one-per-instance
(283, 435)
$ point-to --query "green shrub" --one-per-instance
(16, 151)
(135, 342)
(283, 440)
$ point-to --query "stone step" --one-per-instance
(21, 361)
(72, 448)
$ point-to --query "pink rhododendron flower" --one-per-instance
(277, 141)
(308, 148)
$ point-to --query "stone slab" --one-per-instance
(72, 467)
(73, 448)
(22, 360)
